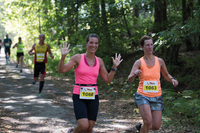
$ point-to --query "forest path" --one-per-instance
(22, 111)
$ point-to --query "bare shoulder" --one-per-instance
(137, 63)
(100, 61)
(76, 57)
(160, 60)
(47, 45)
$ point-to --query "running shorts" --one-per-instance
(39, 68)
(7, 50)
(20, 54)
(156, 103)
(85, 108)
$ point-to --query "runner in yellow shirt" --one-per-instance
(40, 51)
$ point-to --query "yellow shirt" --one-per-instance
(40, 52)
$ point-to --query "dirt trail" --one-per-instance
(22, 111)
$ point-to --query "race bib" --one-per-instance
(20, 49)
(150, 86)
(40, 57)
(87, 92)
(7, 44)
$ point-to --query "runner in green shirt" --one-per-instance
(20, 53)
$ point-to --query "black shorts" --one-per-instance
(7, 50)
(85, 108)
(39, 67)
(20, 54)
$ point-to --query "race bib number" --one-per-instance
(87, 93)
(7, 44)
(150, 86)
(20, 49)
(40, 57)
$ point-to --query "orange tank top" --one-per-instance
(149, 84)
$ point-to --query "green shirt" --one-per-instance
(20, 48)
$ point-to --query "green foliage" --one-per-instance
(183, 101)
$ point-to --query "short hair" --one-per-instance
(92, 35)
(144, 38)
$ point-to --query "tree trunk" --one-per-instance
(186, 14)
(105, 24)
(160, 15)
(137, 11)
(199, 21)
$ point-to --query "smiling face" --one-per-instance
(148, 46)
(92, 45)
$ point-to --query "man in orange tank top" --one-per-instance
(148, 97)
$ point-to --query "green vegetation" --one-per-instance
(174, 26)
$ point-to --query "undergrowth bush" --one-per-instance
(182, 103)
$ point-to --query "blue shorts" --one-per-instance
(156, 103)
(86, 108)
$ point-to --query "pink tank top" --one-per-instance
(149, 75)
(85, 74)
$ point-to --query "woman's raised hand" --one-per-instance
(117, 60)
(65, 49)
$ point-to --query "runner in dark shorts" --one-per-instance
(87, 67)
(20, 53)
(7, 44)
(40, 60)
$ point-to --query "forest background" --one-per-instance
(173, 24)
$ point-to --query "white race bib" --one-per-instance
(40, 56)
(150, 86)
(87, 92)
(20, 49)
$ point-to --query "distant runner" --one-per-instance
(1, 44)
(148, 97)
(20, 53)
(40, 60)
(87, 67)
(7, 44)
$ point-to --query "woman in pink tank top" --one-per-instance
(85, 95)
(148, 97)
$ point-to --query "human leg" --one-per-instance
(82, 126)
(36, 73)
(156, 119)
(145, 112)
(91, 125)
(42, 71)
(8, 54)
(17, 61)
(41, 83)
(22, 58)
(86, 113)
(93, 107)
